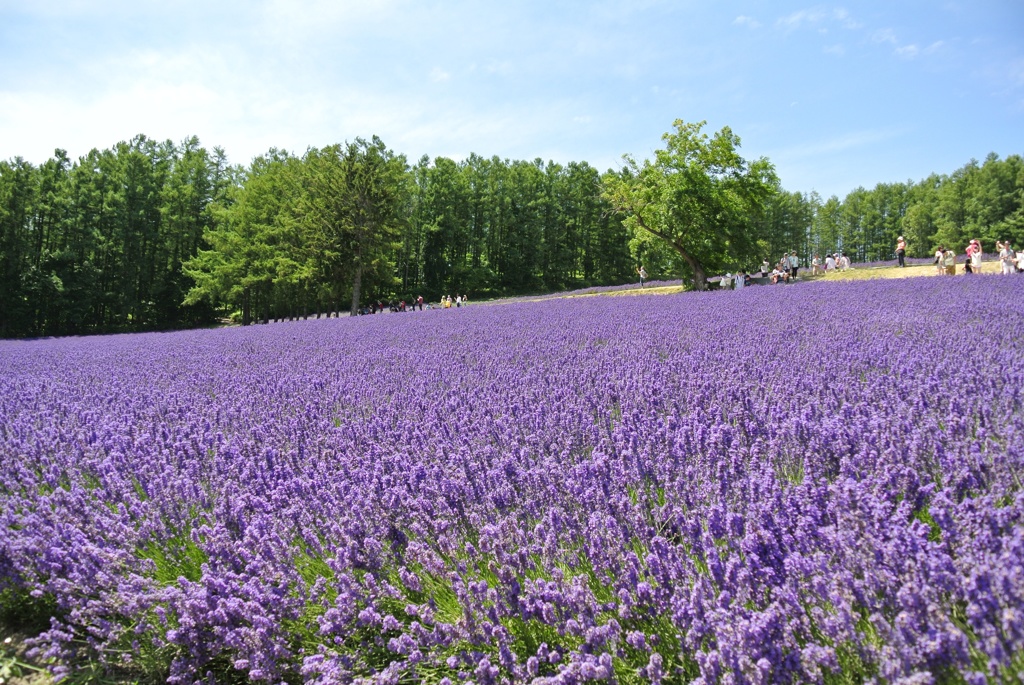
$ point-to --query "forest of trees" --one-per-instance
(154, 236)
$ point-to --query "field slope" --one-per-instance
(776, 485)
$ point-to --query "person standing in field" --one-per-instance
(901, 250)
(1006, 259)
(643, 275)
(830, 263)
(939, 264)
(974, 249)
(794, 264)
(949, 262)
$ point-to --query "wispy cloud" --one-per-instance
(512, 79)
(884, 36)
(801, 18)
(840, 143)
(1004, 77)
(819, 18)
(907, 51)
(847, 21)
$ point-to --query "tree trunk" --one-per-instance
(357, 283)
(246, 309)
(700, 279)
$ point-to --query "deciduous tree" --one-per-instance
(698, 195)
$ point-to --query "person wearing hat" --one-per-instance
(901, 250)
(974, 251)
(949, 262)
(1006, 259)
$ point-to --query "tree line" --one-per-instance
(979, 200)
(154, 235)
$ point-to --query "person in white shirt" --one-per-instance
(1006, 259)
(830, 263)
(975, 251)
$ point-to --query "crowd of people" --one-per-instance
(1010, 261)
(838, 261)
(446, 302)
(784, 271)
(786, 268)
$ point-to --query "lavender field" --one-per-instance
(775, 485)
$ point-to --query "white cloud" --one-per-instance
(439, 75)
(817, 17)
(800, 18)
(884, 36)
(844, 18)
(837, 49)
(296, 22)
(908, 51)
(504, 67)
(840, 143)
(743, 20)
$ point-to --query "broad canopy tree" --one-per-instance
(698, 195)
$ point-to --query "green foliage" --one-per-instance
(354, 208)
(255, 244)
(698, 196)
(22, 612)
(151, 235)
(98, 244)
(925, 517)
(177, 557)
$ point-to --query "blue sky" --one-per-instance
(836, 95)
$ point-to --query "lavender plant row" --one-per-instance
(775, 485)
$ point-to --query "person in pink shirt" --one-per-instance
(974, 254)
